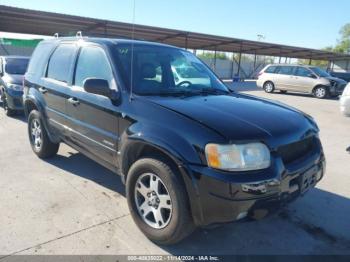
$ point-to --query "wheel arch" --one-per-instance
(320, 85)
(137, 149)
(30, 104)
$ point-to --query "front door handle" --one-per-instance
(73, 101)
(42, 90)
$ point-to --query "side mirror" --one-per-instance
(98, 87)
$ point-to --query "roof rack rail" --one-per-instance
(56, 35)
(79, 34)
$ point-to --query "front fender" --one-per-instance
(178, 150)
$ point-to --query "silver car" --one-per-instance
(300, 78)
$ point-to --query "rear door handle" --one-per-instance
(74, 101)
(42, 90)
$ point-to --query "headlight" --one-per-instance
(15, 87)
(238, 157)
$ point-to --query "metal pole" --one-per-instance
(280, 60)
(286, 60)
(239, 63)
(239, 60)
(232, 65)
(215, 60)
(254, 61)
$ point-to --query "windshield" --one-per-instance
(16, 66)
(320, 72)
(159, 70)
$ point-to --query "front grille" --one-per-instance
(294, 151)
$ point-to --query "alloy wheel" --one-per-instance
(36, 133)
(320, 92)
(269, 87)
(153, 201)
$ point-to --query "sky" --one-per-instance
(305, 23)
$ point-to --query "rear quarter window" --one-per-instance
(271, 69)
(61, 62)
(39, 58)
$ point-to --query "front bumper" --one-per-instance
(14, 99)
(337, 89)
(223, 197)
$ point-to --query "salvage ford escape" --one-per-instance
(190, 153)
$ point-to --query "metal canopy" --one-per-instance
(20, 20)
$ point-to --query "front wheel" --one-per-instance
(269, 87)
(320, 92)
(39, 140)
(158, 201)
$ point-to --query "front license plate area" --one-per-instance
(308, 179)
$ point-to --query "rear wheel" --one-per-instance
(269, 87)
(39, 140)
(320, 92)
(158, 201)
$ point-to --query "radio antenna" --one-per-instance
(132, 51)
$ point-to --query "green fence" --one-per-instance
(19, 42)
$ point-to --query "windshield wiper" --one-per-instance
(213, 91)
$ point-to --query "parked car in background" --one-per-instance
(189, 76)
(345, 101)
(12, 70)
(300, 78)
(342, 75)
(190, 153)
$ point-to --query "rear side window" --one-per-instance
(39, 58)
(271, 69)
(285, 70)
(92, 63)
(60, 62)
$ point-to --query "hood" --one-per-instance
(13, 79)
(336, 79)
(240, 117)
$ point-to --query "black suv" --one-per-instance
(190, 151)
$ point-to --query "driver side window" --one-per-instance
(93, 63)
(303, 72)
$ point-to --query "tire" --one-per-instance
(269, 87)
(320, 92)
(178, 222)
(39, 140)
(8, 111)
(283, 91)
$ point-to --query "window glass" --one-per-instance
(160, 70)
(285, 70)
(302, 71)
(60, 62)
(92, 63)
(270, 69)
(320, 72)
(16, 66)
(39, 57)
